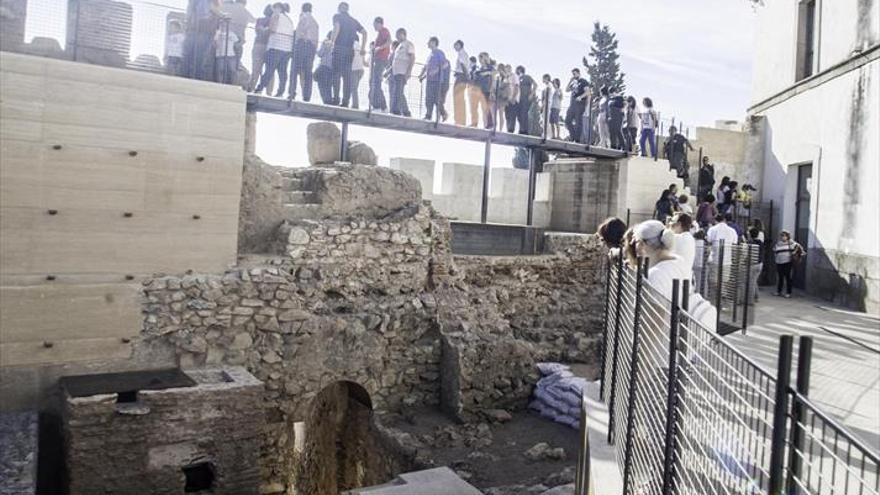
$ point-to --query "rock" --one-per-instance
(241, 341)
(498, 415)
(361, 154)
(298, 236)
(294, 315)
(537, 451)
(271, 488)
(270, 357)
(561, 478)
(557, 454)
(323, 140)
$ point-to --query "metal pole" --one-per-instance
(225, 49)
(546, 99)
(484, 205)
(749, 296)
(699, 176)
(589, 127)
(718, 282)
(657, 139)
(799, 413)
(627, 216)
(633, 387)
(533, 171)
(602, 357)
(616, 353)
(669, 455)
(371, 93)
(582, 475)
(780, 416)
(343, 143)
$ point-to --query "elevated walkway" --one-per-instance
(281, 106)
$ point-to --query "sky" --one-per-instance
(692, 57)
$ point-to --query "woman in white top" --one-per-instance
(656, 242)
(278, 48)
(685, 245)
(357, 72)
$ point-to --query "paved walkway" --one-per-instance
(845, 378)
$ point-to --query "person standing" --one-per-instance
(616, 106)
(507, 97)
(325, 69)
(239, 19)
(174, 49)
(224, 58)
(602, 118)
(786, 253)
(305, 46)
(721, 193)
(555, 107)
(202, 21)
(663, 208)
(278, 48)
(401, 71)
(432, 74)
(379, 63)
(485, 80)
(720, 234)
(706, 177)
(357, 73)
(579, 89)
(527, 90)
(755, 237)
(630, 124)
(461, 74)
(345, 31)
(676, 149)
(685, 245)
(258, 52)
(706, 212)
(649, 120)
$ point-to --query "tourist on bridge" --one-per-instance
(381, 55)
(323, 74)
(527, 90)
(649, 120)
(258, 52)
(305, 46)
(358, 65)
(225, 61)
(616, 105)
(345, 31)
(579, 89)
(786, 253)
(555, 108)
(602, 118)
(435, 73)
(507, 98)
(461, 73)
(401, 70)
(706, 178)
(630, 124)
(676, 149)
(174, 49)
(239, 19)
(484, 78)
(278, 48)
(202, 21)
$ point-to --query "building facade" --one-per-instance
(816, 112)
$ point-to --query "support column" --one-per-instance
(343, 143)
(250, 133)
(533, 170)
(484, 204)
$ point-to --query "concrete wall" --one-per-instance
(833, 124)
(641, 180)
(456, 191)
(106, 176)
(844, 26)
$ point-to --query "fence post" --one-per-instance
(616, 353)
(780, 416)
(633, 385)
(530, 193)
(749, 296)
(589, 127)
(719, 276)
(804, 365)
(669, 454)
(603, 356)
(545, 97)
(582, 474)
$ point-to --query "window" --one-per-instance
(807, 39)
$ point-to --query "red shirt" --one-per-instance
(383, 38)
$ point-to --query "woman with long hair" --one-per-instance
(630, 124)
(786, 253)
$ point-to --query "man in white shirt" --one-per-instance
(305, 45)
(461, 73)
(239, 19)
(401, 71)
(720, 232)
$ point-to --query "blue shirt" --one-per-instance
(436, 62)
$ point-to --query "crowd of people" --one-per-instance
(290, 56)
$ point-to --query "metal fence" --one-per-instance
(727, 276)
(691, 414)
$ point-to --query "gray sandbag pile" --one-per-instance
(557, 395)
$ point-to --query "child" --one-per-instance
(225, 61)
(555, 107)
(174, 49)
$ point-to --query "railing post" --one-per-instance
(627, 216)
(603, 356)
(615, 355)
(719, 276)
(343, 143)
(545, 97)
(780, 416)
(633, 386)
(582, 474)
(804, 365)
(225, 50)
(484, 201)
(670, 454)
(749, 296)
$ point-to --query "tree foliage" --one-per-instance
(602, 63)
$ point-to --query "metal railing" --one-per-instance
(691, 414)
(727, 275)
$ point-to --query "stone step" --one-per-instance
(298, 197)
(295, 211)
(292, 184)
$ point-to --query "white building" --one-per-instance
(816, 113)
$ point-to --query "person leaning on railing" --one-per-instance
(379, 60)
(461, 73)
(202, 21)
(258, 52)
(345, 31)
(402, 63)
(433, 73)
(305, 46)
(278, 48)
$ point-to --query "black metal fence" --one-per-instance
(689, 413)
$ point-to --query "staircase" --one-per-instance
(298, 196)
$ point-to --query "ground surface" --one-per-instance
(845, 379)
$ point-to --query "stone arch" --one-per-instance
(339, 443)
